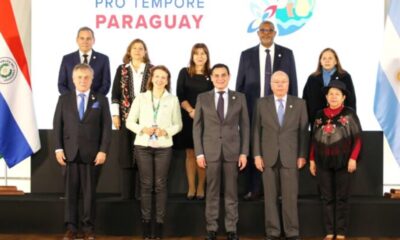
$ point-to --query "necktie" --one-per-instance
(85, 58)
(268, 73)
(281, 111)
(81, 105)
(220, 106)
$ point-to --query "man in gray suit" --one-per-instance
(280, 138)
(221, 134)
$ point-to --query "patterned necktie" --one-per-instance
(220, 106)
(268, 73)
(85, 58)
(281, 111)
(81, 105)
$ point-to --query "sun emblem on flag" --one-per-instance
(8, 70)
(398, 76)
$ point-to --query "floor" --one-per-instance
(57, 237)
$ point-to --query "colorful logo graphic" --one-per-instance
(8, 70)
(288, 16)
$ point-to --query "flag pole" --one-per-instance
(8, 190)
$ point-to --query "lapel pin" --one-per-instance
(279, 55)
(290, 106)
(233, 97)
(94, 57)
(93, 98)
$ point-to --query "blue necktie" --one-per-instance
(81, 105)
(220, 106)
(268, 73)
(281, 111)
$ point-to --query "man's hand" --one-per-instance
(201, 162)
(100, 158)
(301, 162)
(259, 162)
(242, 162)
(60, 158)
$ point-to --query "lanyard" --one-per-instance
(155, 109)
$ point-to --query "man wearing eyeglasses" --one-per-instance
(256, 66)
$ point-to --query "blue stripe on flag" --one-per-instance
(394, 14)
(387, 112)
(13, 145)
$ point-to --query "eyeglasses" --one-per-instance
(264, 30)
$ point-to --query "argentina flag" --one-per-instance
(387, 93)
(19, 137)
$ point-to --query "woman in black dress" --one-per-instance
(193, 80)
(335, 147)
(130, 79)
(328, 69)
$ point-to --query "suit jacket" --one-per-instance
(211, 136)
(101, 67)
(316, 100)
(270, 139)
(248, 77)
(89, 135)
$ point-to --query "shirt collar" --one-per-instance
(88, 53)
(272, 48)
(86, 93)
(225, 90)
(284, 98)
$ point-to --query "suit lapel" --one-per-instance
(73, 104)
(231, 98)
(288, 109)
(77, 58)
(91, 100)
(277, 58)
(272, 105)
(92, 58)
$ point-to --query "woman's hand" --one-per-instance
(160, 132)
(352, 165)
(313, 168)
(149, 131)
(116, 121)
(191, 113)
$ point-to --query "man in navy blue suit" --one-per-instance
(253, 79)
(98, 61)
(82, 136)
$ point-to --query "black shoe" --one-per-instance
(158, 231)
(232, 236)
(271, 238)
(199, 197)
(293, 238)
(146, 228)
(190, 197)
(211, 236)
(251, 196)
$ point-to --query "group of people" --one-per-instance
(262, 127)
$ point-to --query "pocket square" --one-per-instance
(96, 105)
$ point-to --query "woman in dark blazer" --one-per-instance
(130, 79)
(329, 68)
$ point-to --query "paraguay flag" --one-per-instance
(19, 137)
(387, 93)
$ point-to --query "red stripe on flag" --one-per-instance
(9, 30)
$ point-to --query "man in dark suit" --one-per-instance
(221, 135)
(82, 131)
(253, 79)
(280, 141)
(99, 63)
